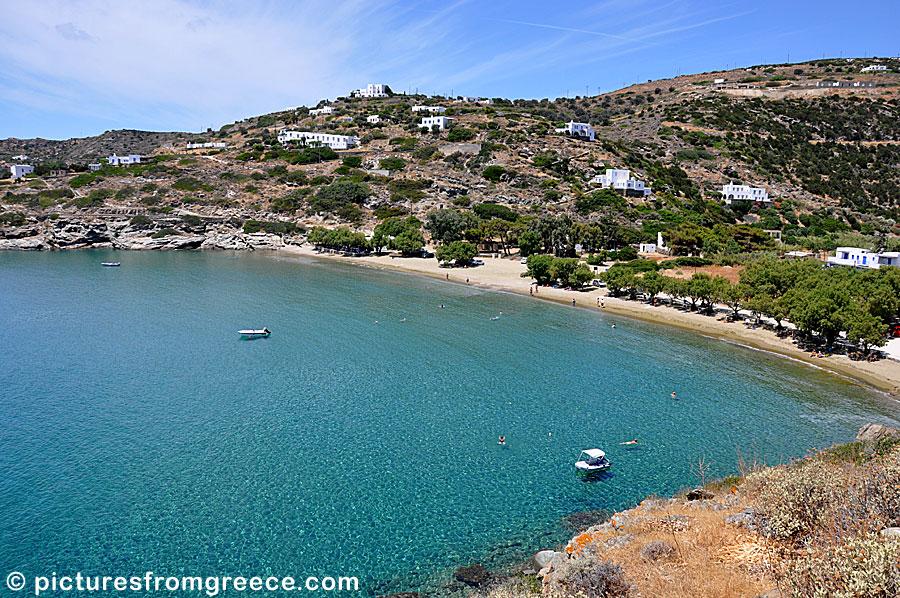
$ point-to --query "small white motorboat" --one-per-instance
(592, 460)
(254, 333)
(110, 264)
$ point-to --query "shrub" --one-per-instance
(191, 184)
(460, 134)
(866, 566)
(489, 211)
(404, 143)
(141, 221)
(352, 161)
(392, 163)
(275, 228)
(12, 218)
(425, 152)
(591, 578)
(164, 232)
(655, 551)
(493, 173)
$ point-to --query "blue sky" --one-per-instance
(80, 67)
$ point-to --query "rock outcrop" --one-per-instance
(872, 431)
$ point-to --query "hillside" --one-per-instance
(828, 155)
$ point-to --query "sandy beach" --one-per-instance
(506, 275)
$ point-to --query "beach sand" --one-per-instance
(506, 275)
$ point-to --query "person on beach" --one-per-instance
(598, 301)
(502, 440)
(531, 291)
(573, 303)
(630, 442)
(602, 302)
(448, 276)
(467, 281)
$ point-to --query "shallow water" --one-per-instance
(137, 432)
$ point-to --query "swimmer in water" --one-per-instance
(403, 320)
(630, 442)
(613, 325)
(501, 440)
(442, 306)
(673, 394)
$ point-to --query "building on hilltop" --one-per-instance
(372, 90)
(581, 130)
(874, 68)
(732, 193)
(324, 110)
(20, 170)
(863, 258)
(335, 142)
(442, 122)
(208, 144)
(845, 84)
(432, 109)
(115, 160)
(621, 181)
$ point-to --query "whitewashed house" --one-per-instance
(732, 193)
(20, 170)
(863, 258)
(319, 111)
(620, 180)
(466, 99)
(95, 166)
(443, 122)
(20, 157)
(582, 130)
(208, 144)
(115, 160)
(345, 119)
(875, 68)
(335, 142)
(432, 109)
(374, 119)
(372, 90)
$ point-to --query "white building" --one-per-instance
(658, 247)
(372, 90)
(208, 144)
(623, 182)
(318, 111)
(863, 258)
(575, 129)
(443, 122)
(466, 99)
(20, 157)
(432, 109)
(874, 68)
(373, 119)
(744, 193)
(115, 160)
(95, 166)
(335, 142)
(20, 170)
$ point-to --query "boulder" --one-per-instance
(891, 532)
(542, 558)
(872, 431)
(474, 575)
(699, 494)
(619, 541)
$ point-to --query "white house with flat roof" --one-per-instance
(335, 142)
(115, 160)
(20, 157)
(443, 122)
(372, 90)
(620, 180)
(863, 258)
(20, 170)
(323, 110)
(208, 144)
(94, 167)
(582, 130)
(432, 109)
(732, 193)
(374, 119)
(873, 68)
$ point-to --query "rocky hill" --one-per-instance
(822, 137)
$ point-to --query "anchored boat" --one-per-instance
(592, 460)
(110, 264)
(254, 333)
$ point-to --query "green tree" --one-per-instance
(446, 225)
(459, 252)
(539, 268)
(408, 242)
(530, 243)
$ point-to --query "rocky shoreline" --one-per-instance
(116, 232)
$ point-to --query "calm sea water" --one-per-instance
(137, 432)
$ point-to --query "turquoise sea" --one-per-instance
(139, 433)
